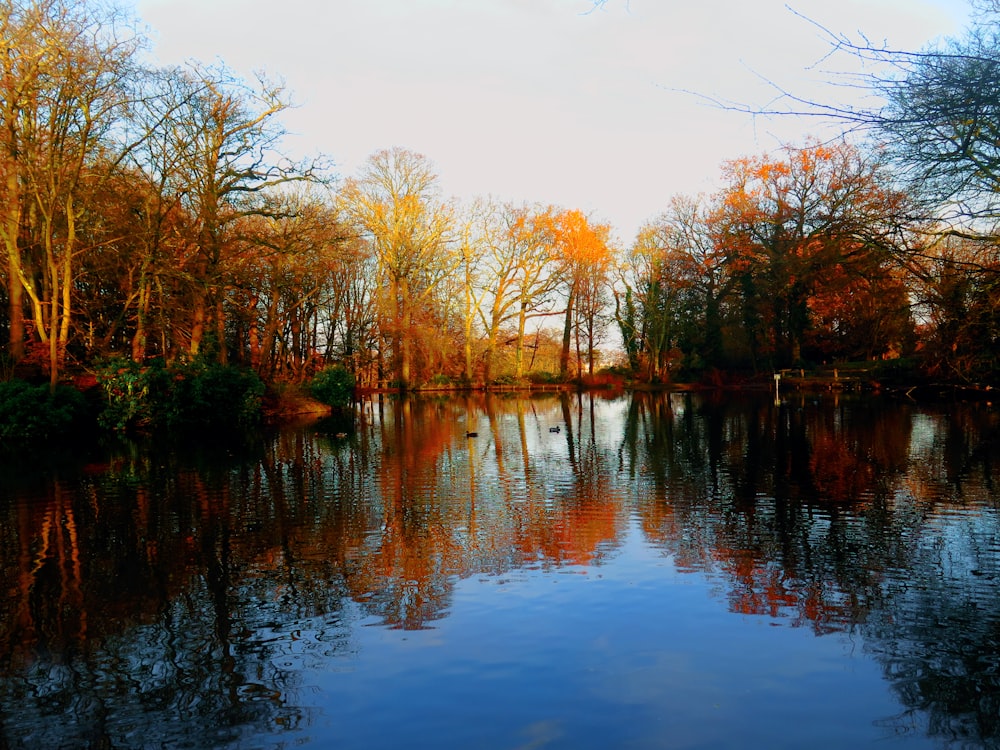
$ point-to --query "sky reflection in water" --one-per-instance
(673, 572)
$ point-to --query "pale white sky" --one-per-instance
(539, 100)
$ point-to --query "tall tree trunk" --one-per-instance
(253, 335)
(469, 317)
(67, 276)
(15, 292)
(567, 332)
(295, 330)
(590, 345)
(579, 355)
(220, 328)
(15, 304)
(139, 338)
(198, 321)
(62, 290)
(488, 356)
(53, 327)
(522, 317)
(405, 334)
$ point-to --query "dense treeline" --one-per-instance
(149, 215)
(792, 261)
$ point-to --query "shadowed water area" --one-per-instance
(637, 571)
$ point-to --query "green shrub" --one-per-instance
(333, 386)
(506, 380)
(30, 413)
(181, 396)
(539, 377)
(902, 370)
(132, 392)
(207, 394)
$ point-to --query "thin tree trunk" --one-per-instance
(220, 329)
(579, 357)
(406, 345)
(15, 292)
(519, 356)
(468, 321)
(141, 316)
(590, 345)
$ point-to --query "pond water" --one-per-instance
(626, 571)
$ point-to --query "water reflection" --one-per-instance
(184, 599)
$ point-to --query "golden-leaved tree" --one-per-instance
(62, 89)
(395, 203)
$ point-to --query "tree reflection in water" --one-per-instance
(164, 598)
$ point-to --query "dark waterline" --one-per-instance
(648, 571)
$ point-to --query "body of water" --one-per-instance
(563, 571)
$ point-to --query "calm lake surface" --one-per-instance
(636, 571)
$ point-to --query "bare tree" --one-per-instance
(934, 111)
(227, 138)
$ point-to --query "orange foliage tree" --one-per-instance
(585, 258)
(787, 225)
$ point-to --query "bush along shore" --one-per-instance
(122, 397)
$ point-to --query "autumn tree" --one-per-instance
(112, 280)
(154, 191)
(700, 259)
(21, 70)
(470, 251)
(785, 223)
(514, 280)
(350, 327)
(532, 232)
(395, 201)
(591, 315)
(228, 137)
(500, 262)
(285, 273)
(956, 296)
(584, 259)
(63, 92)
(685, 282)
(647, 305)
(861, 312)
(626, 316)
